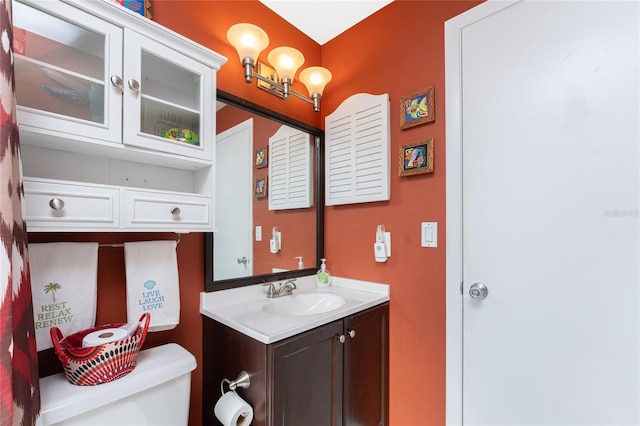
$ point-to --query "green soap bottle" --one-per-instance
(323, 278)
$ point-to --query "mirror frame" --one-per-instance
(318, 135)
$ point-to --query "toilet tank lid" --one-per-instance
(61, 400)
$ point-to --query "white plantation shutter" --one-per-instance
(290, 170)
(357, 145)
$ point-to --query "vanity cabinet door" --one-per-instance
(64, 63)
(307, 378)
(366, 368)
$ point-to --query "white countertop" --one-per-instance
(241, 308)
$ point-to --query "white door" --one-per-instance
(232, 241)
(543, 209)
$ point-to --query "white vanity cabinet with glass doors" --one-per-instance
(116, 118)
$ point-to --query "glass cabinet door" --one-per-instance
(164, 103)
(62, 68)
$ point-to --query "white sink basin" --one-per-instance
(248, 310)
(295, 305)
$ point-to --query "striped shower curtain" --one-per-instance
(19, 389)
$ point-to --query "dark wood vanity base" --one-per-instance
(333, 375)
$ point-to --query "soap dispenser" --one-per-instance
(300, 262)
(323, 278)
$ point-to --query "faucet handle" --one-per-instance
(271, 291)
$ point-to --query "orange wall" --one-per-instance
(399, 50)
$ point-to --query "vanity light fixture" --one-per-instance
(250, 40)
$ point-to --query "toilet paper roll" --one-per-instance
(232, 410)
(103, 336)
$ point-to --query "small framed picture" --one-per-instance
(261, 157)
(416, 158)
(417, 108)
(143, 7)
(260, 187)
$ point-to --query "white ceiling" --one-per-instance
(323, 20)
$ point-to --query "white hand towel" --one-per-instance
(64, 286)
(152, 283)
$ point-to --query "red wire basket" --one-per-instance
(94, 365)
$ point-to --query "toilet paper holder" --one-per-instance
(242, 381)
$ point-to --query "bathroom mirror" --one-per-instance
(257, 239)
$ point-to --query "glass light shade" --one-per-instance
(286, 61)
(248, 39)
(315, 78)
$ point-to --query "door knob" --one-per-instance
(242, 260)
(478, 291)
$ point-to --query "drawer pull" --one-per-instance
(175, 211)
(56, 204)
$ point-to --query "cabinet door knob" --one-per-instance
(175, 211)
(116, 81)
(133, 85)
(341, 338)
(56, 204)
(351, 333)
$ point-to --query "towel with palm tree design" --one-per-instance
(64, 287)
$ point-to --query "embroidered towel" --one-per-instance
(64, 287)
(152, 283)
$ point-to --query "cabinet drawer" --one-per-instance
(66, 205)
(149, 209)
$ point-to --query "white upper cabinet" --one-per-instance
(111, 101)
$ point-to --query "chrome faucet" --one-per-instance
(283, 289)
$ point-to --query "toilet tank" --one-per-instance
(156, 392)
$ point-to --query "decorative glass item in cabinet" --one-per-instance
(171, 102)
(59, 65)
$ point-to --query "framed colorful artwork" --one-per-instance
(417, 108)
(143, 7)
(260, 187)
(416, 158)
(261, 157)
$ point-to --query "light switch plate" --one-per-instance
(429, 234)
(258, 233)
